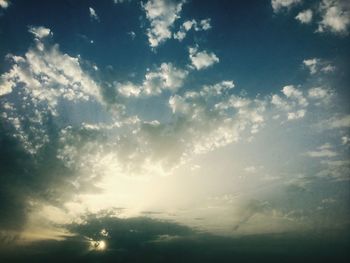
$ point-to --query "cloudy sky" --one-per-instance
(147, 129)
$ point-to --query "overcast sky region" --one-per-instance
(174, 131)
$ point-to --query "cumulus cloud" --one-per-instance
(330, 15)
(161, 14)
(305, 17)
(166, 77)
(93, 14)
(295, 102)
(212, 124)
(278, 5)
(335, 16)
(40, 32)
(202, 25)
(323, 95)
(4, 3)
(316, 65)
(128, 89)
(42, 78)
(202, 59)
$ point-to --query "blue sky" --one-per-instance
(230, 118)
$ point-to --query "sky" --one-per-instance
(174, 130)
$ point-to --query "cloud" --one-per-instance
(93, 14)
(338, 170)
(4, 4)
(202, 59)
(161, 15)
(166, 77)
(40, 32)
(297, 102)
(305, 17)
(202, 25)
(296, 115)
(330, 15)
(322, 151)
(128, 89)
(335, 122)
(278, 5)
(345, 140)
(291, 92)
(335, 16)
(121, 1)
(323, 95)
(316, 65)
(40, 84)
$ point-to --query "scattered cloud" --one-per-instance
(166, 77)
(330, 15)
(322, 151)
(40, 32)
(316, 65)
(323, 95)
(278, 5)
(335, 16)
(132, 35)
(294, 103)
(305, 17)
(93, 14)
(202, 59)
(43, 77)
(202, 25)
(161, 15)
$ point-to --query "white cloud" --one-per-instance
(291, 92)
(5, 85)
(41, 79)
(345, 140)
(93, 14)
(128, 89)
(4, 4)
(323, 95)
(161, 15)
(331, 15)
(336, 122)
(213, 123)
(324, 150)
(311, 64)
(40, 32)
(296, 115)
(203, 25)
(166, 77)
(277, 5)
(202, 59)
(335, 16)
(305, 16)
(315, 65)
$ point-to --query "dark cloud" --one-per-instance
(147, 240)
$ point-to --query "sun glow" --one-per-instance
(99, 245)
